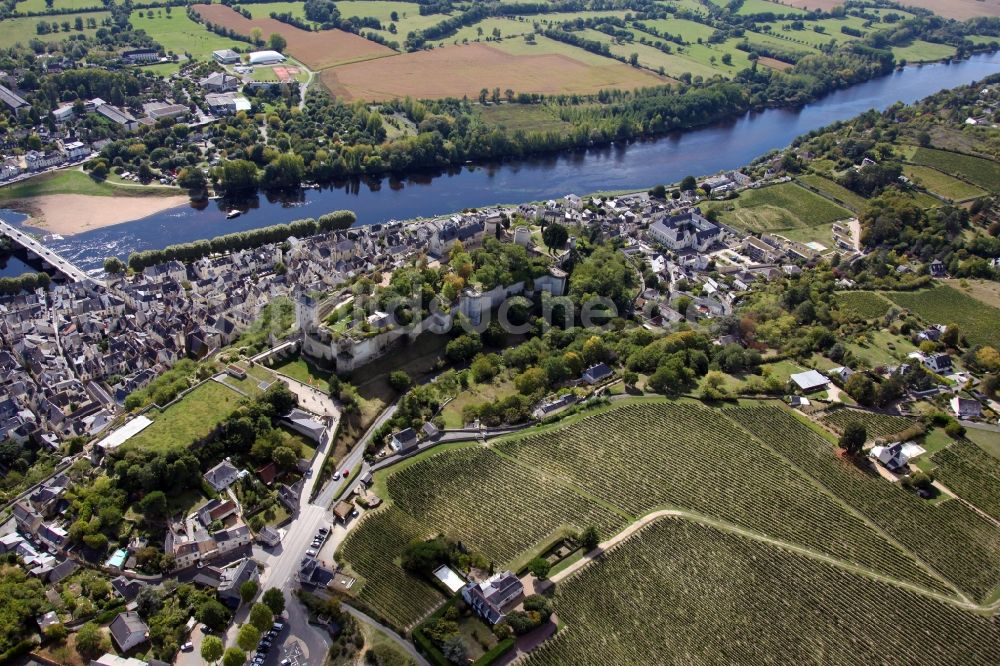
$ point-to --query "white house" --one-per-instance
(128, 631)
(490, 597)
(810, 381)
(687, 231)
(892, 457)
(404, 440)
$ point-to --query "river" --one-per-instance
(637, 165)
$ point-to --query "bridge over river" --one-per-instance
(36, 249)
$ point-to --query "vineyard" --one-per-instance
(493, 505)
(877, 425)
(371, 549)
(645, 456)
(950, 537)
(684, 593)
(972, 473)
(943, 305)
(862, 304)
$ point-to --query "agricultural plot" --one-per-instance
(177, 33)
(972, 473)
(495, 506)
(781, 207)
(724, 598)
(642, 457)
(652, 58)
(950, 537)
(39, 6)
(371, 548)
(192, 418)
(22, 30)
(876, 425)
(316, 50)
(921, 51)
(941, 184)
(977, 321)
(750, 7)
(689, 31)
(862, 304)
(545, 67)
(958, 9)
(832, 190)
(976, 170)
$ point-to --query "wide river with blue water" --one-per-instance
(636, 165)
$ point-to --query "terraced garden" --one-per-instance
(684, 593)
(944, 305)
(950, 537)
(877, 425)
(972, 473)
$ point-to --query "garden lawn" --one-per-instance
(298, 368)
(862, 304)
(977, 321)
(192, 418)
(835, 191)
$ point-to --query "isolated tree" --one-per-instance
(113, 265)
(277, 42)
(274, 598)
(853, 438)
(261, 617)
(861, 388)
(689, 183)
(539, 567)
(555, 236)
(213, 614)
(234, 657)
(590, 539)
(211, 649)
(248, 590)
(400, 381)
(89, 641)
(247, 637)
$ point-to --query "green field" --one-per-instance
(862, 304)
(39, 6)
(783, 207)
(972, 473)
(987, 440)
(943, 305)
(192, 418)
(954, 540)
(689, 31)
(22, 30)
(921, 51)
(652, 58)
(265, 9)
(976, 170)
(681, 592)
(764, 7)
(835, 191)
(76, 182)
(524, 117)
(178, 34)
(876, 425)
(941, 184)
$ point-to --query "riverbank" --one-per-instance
(69, 214)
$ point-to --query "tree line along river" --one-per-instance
(633, 166)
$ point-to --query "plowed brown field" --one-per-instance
(465, 70)
(316, 50)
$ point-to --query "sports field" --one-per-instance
(465, 70)
(316, 50)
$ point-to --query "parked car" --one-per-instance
(187, 647)
(311, 552)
